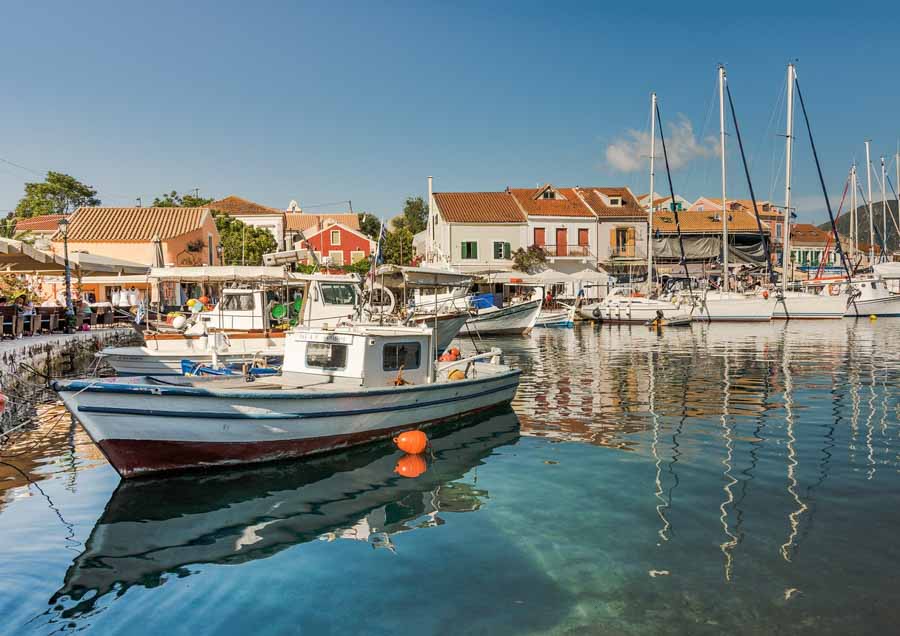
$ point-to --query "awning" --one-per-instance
(97, 264)
(549, 277)
(588, 275)
(421, 277)
(19, 257)
(240, 273)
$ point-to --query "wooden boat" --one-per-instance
(513, 319)
(564, 317)
(338, 388)
(154, 528)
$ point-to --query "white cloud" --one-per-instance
(630, 151)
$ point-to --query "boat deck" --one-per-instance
(285, 381)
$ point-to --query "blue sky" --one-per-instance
(325, 102)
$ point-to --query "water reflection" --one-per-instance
(153, 529)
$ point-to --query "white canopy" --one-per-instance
(240, 273)
(96, 264)
(588, 275)
(549, 276)
(19, 257)
(888, 270)
(425, 277)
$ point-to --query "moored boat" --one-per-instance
(339, 387)
(515, 318)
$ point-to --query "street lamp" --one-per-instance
(70, 313)
(221, 252)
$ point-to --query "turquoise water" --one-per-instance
(718, 479)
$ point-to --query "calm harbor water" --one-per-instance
(717, 479)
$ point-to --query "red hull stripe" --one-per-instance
(132, 458)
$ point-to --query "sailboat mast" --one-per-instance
(786, 265)
(854, 221)
(429, 228)
(883, 208)
(869, 204)
(652, 175)
(724, 203)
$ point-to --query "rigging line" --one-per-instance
(706, 121)
(765, 242)
(21, 167)
(877, 236)
(71, 542)
(674, 207)
(774, 174)
(897, 199)
(812, 144)
(762, 142)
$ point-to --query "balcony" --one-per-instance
(621, 252)
(566, 251)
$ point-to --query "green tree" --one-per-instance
(175, 200)
(57, 194)
(369, 224)
(414, 217)
(398, 248)
(242, 244)
(529, 260)
(8, 230)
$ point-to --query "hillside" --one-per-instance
(862, 215)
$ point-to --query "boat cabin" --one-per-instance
(371, 355)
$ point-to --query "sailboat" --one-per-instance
(798, 304)
(627, 305)
(725, 305)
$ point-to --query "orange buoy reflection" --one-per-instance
(413, 442)
(411, 466)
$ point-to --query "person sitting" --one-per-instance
(24, 306)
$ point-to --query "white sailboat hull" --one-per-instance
(722, 307)
(515, 319)
(800, 305)
(883, 307)
(634, 310)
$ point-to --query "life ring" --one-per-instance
(596, 312)
(833, 290)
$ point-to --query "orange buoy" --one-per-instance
(204, 300)
(454, 351)
(766, 294)
(413, 442)
(410, 466)
(446, 357)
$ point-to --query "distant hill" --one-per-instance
(862, 216)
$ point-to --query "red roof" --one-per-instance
(565, 202)
(479, 207)
(302, 221)
(236, 206)
(45, 223)
(629, 207)
(132, 225)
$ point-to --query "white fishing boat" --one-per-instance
(562, 317)
(870, 297)
(338, 388)
(515, 318)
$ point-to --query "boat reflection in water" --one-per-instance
(155, 527)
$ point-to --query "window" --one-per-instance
(209, 248)
(357, 256)
(548, 194)
(404, 354)
(615, 201)
(336, 257)
(338, 293)
(778, 230)
(335, 237)
(501, 251)
(469, 249)
(238, 302)
(325, 355)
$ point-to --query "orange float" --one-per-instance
(766, 294)
(412, 442)
(411, 466)
(204, 300)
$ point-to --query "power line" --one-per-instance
(21, 167)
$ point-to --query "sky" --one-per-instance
(333, 102)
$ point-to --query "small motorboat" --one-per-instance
(339, 387)
(564, 317)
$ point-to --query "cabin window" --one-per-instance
(326, 355)
(469, 249)
(338, 294)
(335, 237)
(238, 302)
(405, 354)
(501, 251)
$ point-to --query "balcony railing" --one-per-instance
(567, 251)
(626, 251)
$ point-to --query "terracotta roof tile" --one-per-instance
(48, 222)
(129, 225)
(296, 221)
(234, 205)
(705, 222)
(570, 205)
(478, 207)
(808, 234)
(629, 207)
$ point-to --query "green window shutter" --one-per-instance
(507, 252)
(498, 250)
